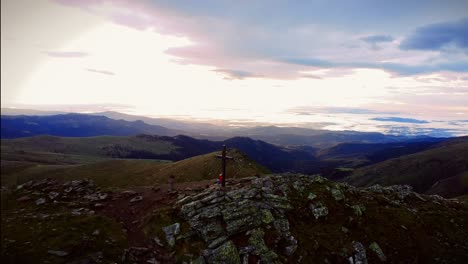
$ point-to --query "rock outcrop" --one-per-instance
(284, 218)
(260, 220)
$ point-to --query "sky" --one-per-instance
(397, 67)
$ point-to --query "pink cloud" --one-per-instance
(226, 38)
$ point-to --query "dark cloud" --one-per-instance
(375, 40)
(100, 71)
(66, 54)
(400, 120)
(438, 36)
(403, 69)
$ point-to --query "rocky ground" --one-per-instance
(285, 218)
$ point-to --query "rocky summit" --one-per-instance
(281, 218)
(293, 218)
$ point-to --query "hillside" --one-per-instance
(102, 147)
(421, 170)
(285, 218)
(273, 157)
(75, 125)
(125, 173)
(359, 154)
(454, 186)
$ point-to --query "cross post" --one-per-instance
(223, 158)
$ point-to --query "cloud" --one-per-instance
(399, 68)
(311, 76)
(66, 54)
(311, 110)
(400, 120)
(375, 40)
(100, 71)
(438, 36)
(235, 74)
(282, 40)
(422, 131)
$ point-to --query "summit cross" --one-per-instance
(224, 158)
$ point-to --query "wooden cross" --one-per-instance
(223, 158)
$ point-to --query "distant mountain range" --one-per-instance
(118, 124)
(76, 125)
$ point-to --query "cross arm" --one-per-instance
(226, 157)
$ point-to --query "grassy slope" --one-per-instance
(33, 236)
(208, 166)
(421, 170)
(87, 146)
(124, 173)
(451, 187)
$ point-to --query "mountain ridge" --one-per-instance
(122, 125)
(421, 170)
(75, 125)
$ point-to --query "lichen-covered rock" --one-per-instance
(376, 248)
(171, 232)
(225, 254)
(267, 217)
(243, 224)
(199, 260)
(402, 191)
(319, 210)
(337, 194)
(311, 196)
(136, 199)
(282, 225)
(298, 186)
(246, 222)
(377, 188)
(360, 257)
(261, 249)
(40, 201)
(190, 209)
(211, 230)
(53, 195)
(292, 246)
(218, 241)
(210, 212)
(215, 197)
(233, 211)
(319, 179)
(359, 209)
